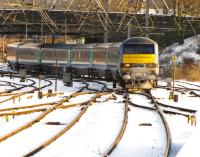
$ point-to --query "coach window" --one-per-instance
(113, 56)
(99, 56)
(80, 56)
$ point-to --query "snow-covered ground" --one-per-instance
(191, 147)
(187, 50)
(140, 140)
(99, 126)
(179, 127)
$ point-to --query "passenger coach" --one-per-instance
(133, 62)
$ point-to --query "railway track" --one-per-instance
(121, 132)
(189, 84)
(34, 108)
(154, 108)
(84, 108)
(4, 83)
(85, 129)
(21, 86)
(184, 93)
(167, 130)
(192, 91)
(46, 112)
(19, 94)
(23, 110)
(168, 134)
(65, 129)
(169, 108)
(181, 88)
(85, 105)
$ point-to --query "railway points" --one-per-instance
(91, 86)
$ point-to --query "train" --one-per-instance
(133, 62)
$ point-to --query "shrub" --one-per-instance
(188, 61)
(190, 72)
(198, 51)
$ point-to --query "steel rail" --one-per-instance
(164, 110)
(189, 83)
(169, 106)
(16, 113)
(168, 133)
(63, 131)
(44, 114)
(121, 132)
(177, 88)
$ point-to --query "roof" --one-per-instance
(57, 46)
(30, 45)
(15, 44)
(138, 40)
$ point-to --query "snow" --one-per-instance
(14, 123)
(93, 132)
(186, 50)
(184, 100)
(191, 148)
(99, 125)
(141, 140)
(38, 133)
(181, 131)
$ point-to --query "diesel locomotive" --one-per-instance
(133, 62)
(138, 63)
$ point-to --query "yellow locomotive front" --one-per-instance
(139, 63)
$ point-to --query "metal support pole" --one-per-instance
(175, 8)
(38, 38)
(147, 18)
(26, 36)
(41, 30)
(3, 57)
(173, 78)
(56, 70)
(45, 39)
(65, 29)
(106, 21)
(69, 58)
(174, 69)
(39, 83)
(39, 92)
(130, 30)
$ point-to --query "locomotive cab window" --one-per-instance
(138, 49)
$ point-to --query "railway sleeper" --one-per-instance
(55, 123)
(145, 124)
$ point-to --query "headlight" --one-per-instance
(126, 65)
(152, 65)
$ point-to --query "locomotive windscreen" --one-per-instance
(138, 49)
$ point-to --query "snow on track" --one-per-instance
(184, 100)
(38, 133)
(180, 132)
(139, 140)
(95, 131)
(28, 102)
(15, 123)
